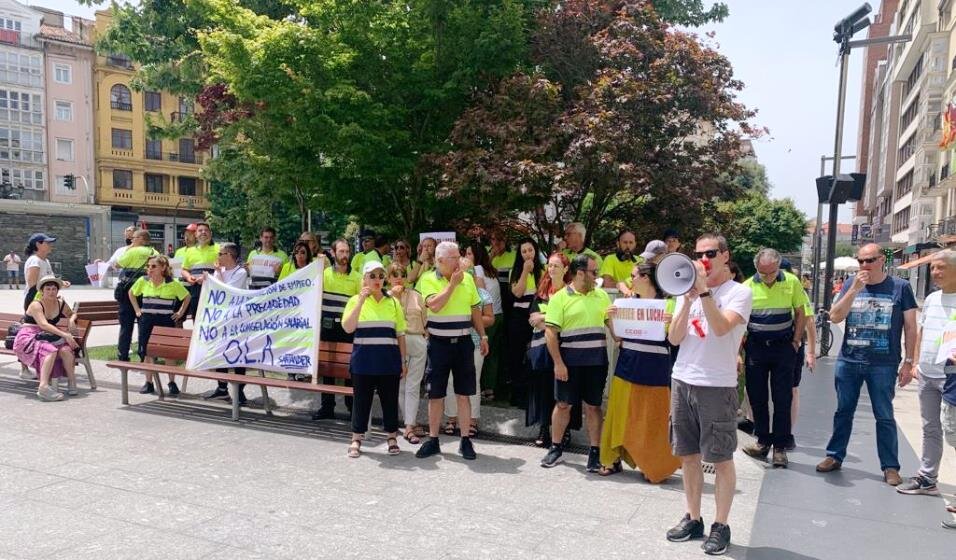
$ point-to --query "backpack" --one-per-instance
(12, 331)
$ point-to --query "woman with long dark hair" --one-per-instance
(301, 257)
(638, 409)
(486, 277)
(525, 277)
(541, 383)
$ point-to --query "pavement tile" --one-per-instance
(14, 480)
(150, 511)
(33, 529)
(142, 543)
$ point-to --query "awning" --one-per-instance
(916, 262)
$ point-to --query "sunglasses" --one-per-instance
(709, 253)
(376, 276)
(870, 260)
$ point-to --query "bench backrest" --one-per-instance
(82, 324)
(98, 310)
(173, 344)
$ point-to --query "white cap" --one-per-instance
(372, 265)
(653, 249)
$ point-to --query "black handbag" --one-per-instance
(12, 331)
(50, 337)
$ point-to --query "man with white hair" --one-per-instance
(774, 333)
(574, 234)
(454, 307)
(938, 309)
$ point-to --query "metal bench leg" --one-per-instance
(185, 383)
(265, 395)
(158, 384)
(234, 385)
(89, 371)
(124, 383)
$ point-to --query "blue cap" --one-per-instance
(40, 238)
(785, 264)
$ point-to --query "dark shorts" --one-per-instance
(451, 356)
(704, 421)
(798, 366)
(12, 274)
(585, 383)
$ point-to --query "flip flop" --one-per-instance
(355, 448)
(613, 469)
(411, 438)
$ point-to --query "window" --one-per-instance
(154, 149)
(64, 149)
(119, 60)
(906, 150)
(21, 143)
(120, 98)
(21, 107)
(123, 179)
(154, 183)
(901, 220)
(64, 111)
(187, 150)
(153, 101)
(187, 186)
(27, 178)
(909, 114)
(63, 73)
(21, 69)
(122, 139)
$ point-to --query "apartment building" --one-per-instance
(149, 181)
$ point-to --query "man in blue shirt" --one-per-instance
(878, 309)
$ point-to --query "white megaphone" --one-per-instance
(676, 274)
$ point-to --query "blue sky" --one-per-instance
(785, 55)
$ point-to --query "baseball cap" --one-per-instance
(785, 264)
(671, 233)
(367, 233)
(192, 227)
(40, 238)
(371, 266)
(653, 249)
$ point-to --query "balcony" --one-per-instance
(122, 153)
(945, 183)
(168, 201)
(185, 158)
(120, 106)
(119, 61)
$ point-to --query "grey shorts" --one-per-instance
(704, 421)
(948, 419)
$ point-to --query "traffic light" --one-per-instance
(69, 182)
(848, 188)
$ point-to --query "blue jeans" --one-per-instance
(881, 386)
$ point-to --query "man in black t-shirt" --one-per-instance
(878, 309)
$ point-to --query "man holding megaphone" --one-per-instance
(708, 326)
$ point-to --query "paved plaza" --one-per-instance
(90, 478)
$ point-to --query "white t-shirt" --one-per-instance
(938, 308)
(235, 277)
(13, 262)
(114, 260)
(36, 262)
(711, 361)
(493, 288)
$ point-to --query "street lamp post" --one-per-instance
(843, 31)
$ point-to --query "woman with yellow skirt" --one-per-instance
(636, 425)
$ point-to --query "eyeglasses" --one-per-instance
(376, 276)
(710, 253)
(870, 260)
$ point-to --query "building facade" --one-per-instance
(906, 177)
(149, 181)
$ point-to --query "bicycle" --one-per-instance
(824, 331)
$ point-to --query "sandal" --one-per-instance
(420, 431)
(450, 427)
(355, 448)
(951, 509)
(613, 469)
(393, 448)
(473, 430)
(411, 437)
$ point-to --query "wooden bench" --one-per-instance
(172, 344)
(81, 354)
(98, 312)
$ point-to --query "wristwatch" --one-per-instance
(484, 337)
(705, 294)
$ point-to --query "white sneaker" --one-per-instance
(49, 394)
(26, 374)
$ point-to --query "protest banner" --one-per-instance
(438, 236)
(274, 328)
(97, 272)
(947, 344)
(639, 318)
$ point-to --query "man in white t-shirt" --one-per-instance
(708, 325)
(938, 309)
(13, 261)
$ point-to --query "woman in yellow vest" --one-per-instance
(301, 257)
(377, 322)
(525, 277)
(158, 300)
(638, 410)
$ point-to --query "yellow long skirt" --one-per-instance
(636, 429)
